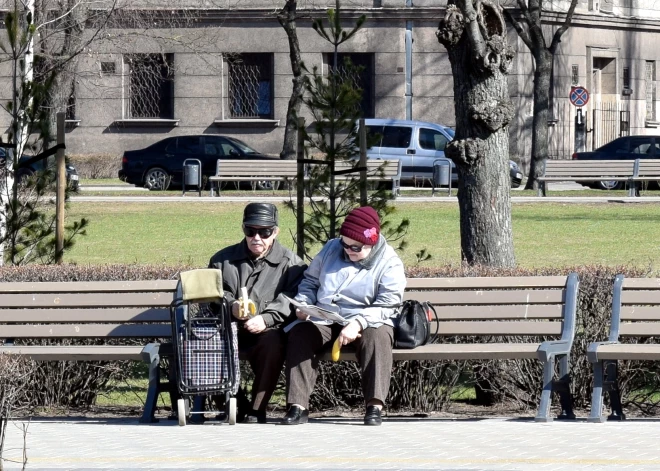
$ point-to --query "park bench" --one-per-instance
(647, 170)
(635, 314)
(478, 312)
(132, 315)
(587, 171)
(482, 311)
(286, 171)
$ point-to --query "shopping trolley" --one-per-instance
(205, 342)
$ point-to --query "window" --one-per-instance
(432, 139)
(396, 136)
(108, 68)
(251, 86)
(150, 86)
(71, 104)
(640, 145)
(575, 74)
(626, 78)
(184, 145)
(215, 146)
(363, 77)
(650, 91)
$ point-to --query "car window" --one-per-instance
(618, 146)
(246, 149)
(185, 145)
(432, 139)
(396, 136)
(213, 146)
(640, 146)
(374, 135)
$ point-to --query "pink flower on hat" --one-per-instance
(371, 234)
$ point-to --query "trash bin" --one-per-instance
(192, 176)
(191, 172)
(441, 173)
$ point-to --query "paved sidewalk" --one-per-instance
(339, 443)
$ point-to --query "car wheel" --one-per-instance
(157, 179)
(267, 185)
(610, 185)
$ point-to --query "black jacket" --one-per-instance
(279, 272)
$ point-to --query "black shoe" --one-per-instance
(295, 416)
(372, 417)
(255, 417)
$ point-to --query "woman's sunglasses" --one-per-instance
(354, 248)
(264, 232)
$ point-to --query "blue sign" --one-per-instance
(579, 96)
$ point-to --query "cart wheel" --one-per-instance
(232, 411)
(181, 411)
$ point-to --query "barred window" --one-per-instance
(251, 85)
(150, 86)
(364, 78)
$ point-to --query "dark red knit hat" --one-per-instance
(363, 225)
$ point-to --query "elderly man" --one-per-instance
(268, 270)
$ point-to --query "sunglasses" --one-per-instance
(264, 232)
(354, 248)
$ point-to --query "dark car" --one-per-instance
(28, 167)
(623, 148)
(161, 164)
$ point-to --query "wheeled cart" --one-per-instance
(205, 343)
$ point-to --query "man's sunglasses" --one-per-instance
(264, 232)
(354, 248)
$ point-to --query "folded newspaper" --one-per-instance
(317, 312)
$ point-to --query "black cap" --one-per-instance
(260, 214)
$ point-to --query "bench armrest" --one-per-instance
(150, 352)
(592, 349)
(551, 348)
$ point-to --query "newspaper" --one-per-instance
(317, 312)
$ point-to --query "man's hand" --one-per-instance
(350, 332)
(301, 315)
(236, 310)
(255, 324)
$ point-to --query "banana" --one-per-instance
(247, 306)
(336, 347)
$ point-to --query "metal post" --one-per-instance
(580, 131)
(300, 190)
(408, 46)
(61, 186)
(363, 162)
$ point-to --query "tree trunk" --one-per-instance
(474, 34)
(287, 18)
(542, 76)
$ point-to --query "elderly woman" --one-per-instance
(360, 277)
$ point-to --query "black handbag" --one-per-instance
(412, 325)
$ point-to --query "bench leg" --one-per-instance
(152, 393)
(612, 381)
(543, 414)
(596, 414)
(563, 388)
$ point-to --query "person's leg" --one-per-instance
(304, 341)
(266, 357)
(374, 354)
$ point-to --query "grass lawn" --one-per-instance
(551, 234)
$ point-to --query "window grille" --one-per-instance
(108, 68)
(251, 86)
(362, 77)
(150, 91)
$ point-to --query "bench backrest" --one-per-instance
(247, 168)
(375, 168)
(648, 168)
(635, 308)
(500, 306)
(588, 168)
(97, 309)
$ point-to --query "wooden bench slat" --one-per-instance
(641, 283)
(88, 286)
(477, 328)
(533, 311)
(489, 297)
(62, 300)
(640, 313)
(629, 351)
(640, 297)
(639, 329)
(459, 351)
(486, 282)
(75, 353)
(23, 316)
(86, 330)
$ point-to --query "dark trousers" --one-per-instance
(265, 352)
(307, 340)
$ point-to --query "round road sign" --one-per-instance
(579, 96)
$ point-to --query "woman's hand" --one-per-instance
(350, 332)
(255, 325)
(301, 315)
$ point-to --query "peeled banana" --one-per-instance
(246, 308)
(336, 347)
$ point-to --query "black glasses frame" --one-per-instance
(354, 248)
(264, 232)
